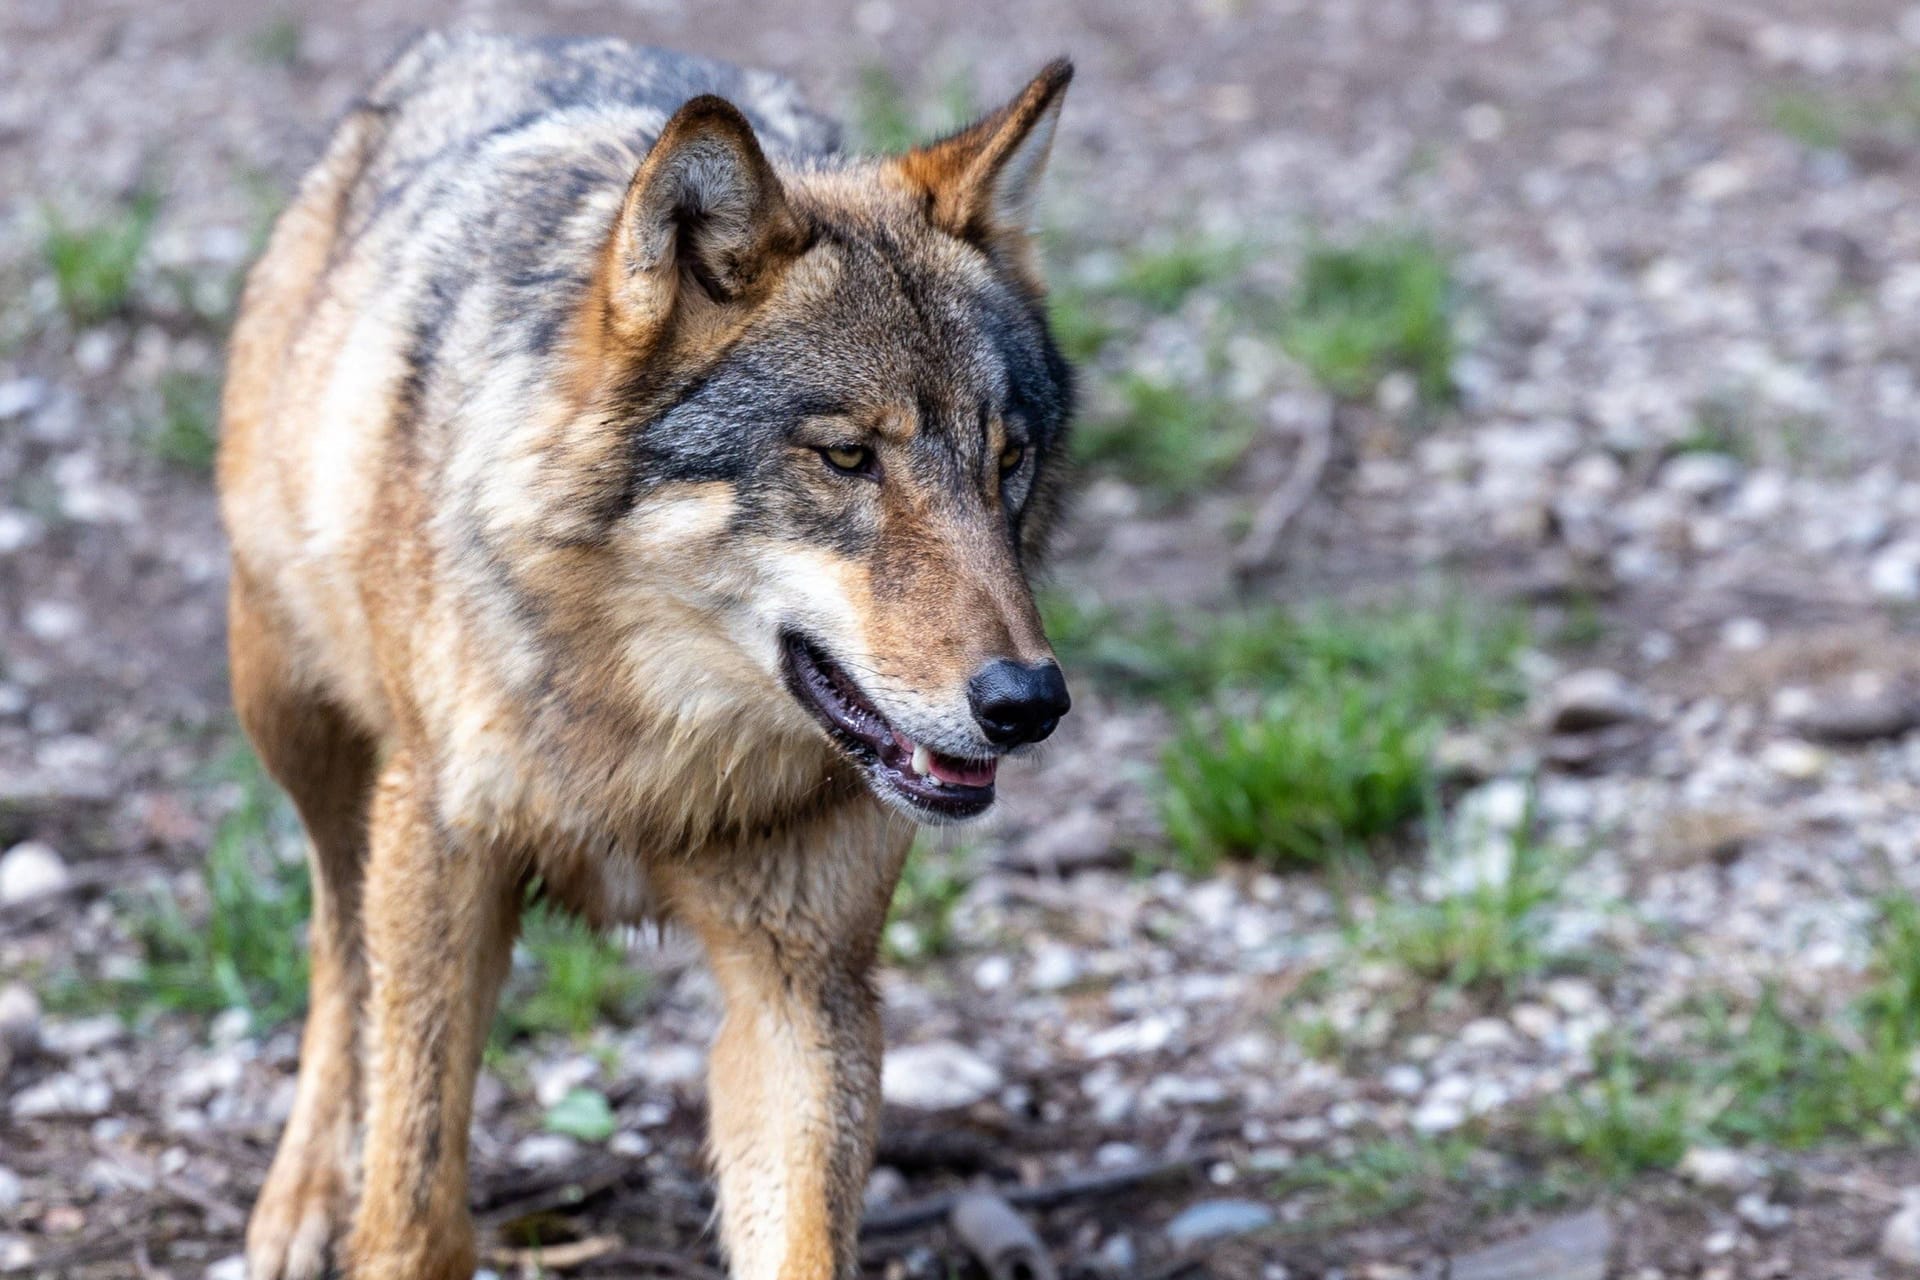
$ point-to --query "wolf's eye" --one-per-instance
(1011, 457)
(850, 459)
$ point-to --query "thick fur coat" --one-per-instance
(627, 492)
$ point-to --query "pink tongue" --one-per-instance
(963, 774)
(947, 769)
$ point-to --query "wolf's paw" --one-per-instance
(300, 1215)
(442, 1253)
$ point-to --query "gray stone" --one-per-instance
(19, 1017)
(81, 1037)
(1720, 1169)
(1217, 1219)
(31, 870)
(545, 1150)
(65, 1094)
(1117, 1254)
(1701, 475)
(1895, 572)
(17, 530)
(554, 1079)
(1595, 698)
(1571, 1248)
(940, 1076)
(1900, 1238)
(20, 396)
(1762, 1214)
(885, 1185)
(197, 1082)
(1794, 760)
(1076, 840)
(1846, 719)
(1055, 967)
(229, 1268)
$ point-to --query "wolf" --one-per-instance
(632, 502)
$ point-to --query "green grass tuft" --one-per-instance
(277, 41)
(1377, 1179)
(1766, 1076)
(1160, 279)
(1622, 1124)
(568, 978)
(1456, 660)
(882, 117)
(920, 923)
(1486, 935)
(1789, 1082)
(1871, 123)
(1812, 120)
(1171, 439)
(248, 952)
(1079, 328)
(187, 434)
(1582, 624)
(93, 265)
(888, 119)
(1375, 307)
(1717, 428)
(1335, 751)
(1311, 775)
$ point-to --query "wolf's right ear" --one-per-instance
(705, 211)
(980, 183)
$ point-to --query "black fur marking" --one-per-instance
(424, 339)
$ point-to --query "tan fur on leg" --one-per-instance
(440, 927)
(794, 1078)
(327, 767)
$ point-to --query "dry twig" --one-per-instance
(922, 1213)
(1261, 546)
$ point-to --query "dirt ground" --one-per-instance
(1670, 218)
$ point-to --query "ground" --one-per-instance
(1484, 842)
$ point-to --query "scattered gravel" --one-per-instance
(1686, 408)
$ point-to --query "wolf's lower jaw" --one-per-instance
(927, 784)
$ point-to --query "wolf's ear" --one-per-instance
(705, 211)
(980, 183)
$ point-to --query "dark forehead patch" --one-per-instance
(906, 326)
(898, 330)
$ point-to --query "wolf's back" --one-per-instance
(447, 94)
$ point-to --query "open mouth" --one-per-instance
(929, 783)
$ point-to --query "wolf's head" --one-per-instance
(841, 424)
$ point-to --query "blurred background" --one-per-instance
(1485, 841)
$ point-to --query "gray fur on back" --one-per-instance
(453, 86)
(488, 174)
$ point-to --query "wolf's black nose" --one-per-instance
(1016, 703)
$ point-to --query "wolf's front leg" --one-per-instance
(794, 1078)
(440, 926)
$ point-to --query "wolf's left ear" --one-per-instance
(706, 211)
(980, 183)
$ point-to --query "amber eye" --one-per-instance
(852, 459)
(1011, 457)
